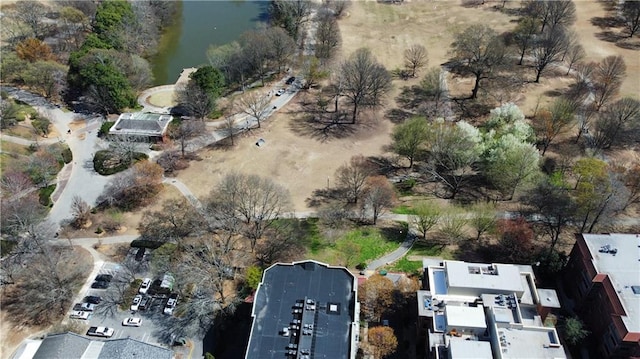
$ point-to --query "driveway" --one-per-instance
(78, 177)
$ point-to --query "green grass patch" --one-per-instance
(6, 247)
(370, 242)
(402, 209)
(104, 128)
(407, 266)
(431, 250)
(44, 195)
(129, 293)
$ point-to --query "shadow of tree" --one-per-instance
(396, 232)
(605, 22)
(397, 115)
(610, 36)
(324, 196)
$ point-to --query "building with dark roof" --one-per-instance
(146, 126)
(74, 346)
(305, 310)
(603, 280)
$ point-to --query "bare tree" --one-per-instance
(548, 50)
(327, 36)
(124, 146)
(452, 225)
(478, 50)
(524, 35)
(562, 13)
(255, 104)
(290, 15)
(337, 7)
(81, 211)
(366, 81)
(21, 215)
(607, 77)
(415, 58)
(175, 221)
(257, 201)
(255, 52)
(622, 114)
(229, 127)
(32, 14)
(553, 14)
(186, 130)
(575, 53)
(434, 88)
(281, 46)
(378, 196)
(49, 280)
(631, 16)
(196, 101)
(352, 176)
(14, 182)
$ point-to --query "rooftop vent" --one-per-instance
(635, 289)
(608, 249)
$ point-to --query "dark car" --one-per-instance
(93, 299)
(140, 253)
(290, 80)
(100, 284)
(104, 278)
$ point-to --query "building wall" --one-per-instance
(597, 304)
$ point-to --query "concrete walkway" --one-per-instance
(395, 255)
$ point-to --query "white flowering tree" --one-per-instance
(511, 163)
(452, 150)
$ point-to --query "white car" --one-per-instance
(281, 92)
(132, 322)
(80, 315)
(136, 302)
(100, 332)
(144, 287)
(171, 304)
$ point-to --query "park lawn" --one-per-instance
(430, 250)
(405, 265)
(21, 130)
(358, 246)
(402, 209)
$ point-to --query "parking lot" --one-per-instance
(108, 314)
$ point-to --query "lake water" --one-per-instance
(200, 24)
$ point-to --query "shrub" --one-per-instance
(67, 156)
(45, 195)
(104, 128)
(145, 243)
(106, 162)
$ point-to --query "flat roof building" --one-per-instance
(603, 279)
(480, 310)
(145, 126)
(305, 310)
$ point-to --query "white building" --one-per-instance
(479, 310)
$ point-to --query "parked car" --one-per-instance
(132, 322)
(280, 92)
(85, 307)
(100, 332)
(171, 304)
(144, 303)
(136, 302)
(290, 80)
(80, 315)
(140, 254)
(93, 299)
(100, 284)
(144, 287)
(104, 278)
